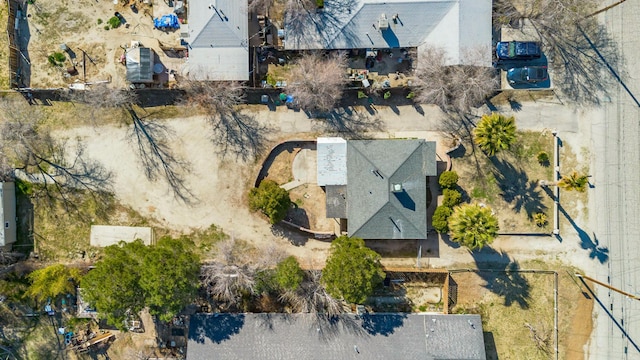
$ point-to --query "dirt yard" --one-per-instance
(81, 26)
(514, 306)
(508, 183)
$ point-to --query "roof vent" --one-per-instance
(383, 22)
(396, 188)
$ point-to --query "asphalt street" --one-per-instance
(615, 201)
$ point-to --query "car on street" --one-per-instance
(527, 75)
(518, 50)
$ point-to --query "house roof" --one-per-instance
(139, 62)
(218, 40)
(307, 336)
(332, 161)
(454, 25)
(375, 210)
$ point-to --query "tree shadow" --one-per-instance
(238, 134)
(295, 237)
(153, 141)
(516, 188)
(596, 251)
(330, 327)
(576, 54)
(515, 105)
(353, 125)
(215, 327)
(500, 272)
(298, 216)
(382, 324)
(490, 346)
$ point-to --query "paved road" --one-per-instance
(615, 207)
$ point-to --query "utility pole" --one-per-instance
(631, 296)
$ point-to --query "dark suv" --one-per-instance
(517, 50)
(527, 75)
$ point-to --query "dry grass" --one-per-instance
(507, 303)
(4, 46)
(508, 181)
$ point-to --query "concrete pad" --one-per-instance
(304, 166)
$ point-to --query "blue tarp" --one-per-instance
(166, 22)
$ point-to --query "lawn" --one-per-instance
(518, 307)
(508, 182)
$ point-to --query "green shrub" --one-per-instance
(99, 21)
(271, 199)
(422, 308)
(543, 158)
(57, 59)
(448, 179)
(362, 95)
(452, 198)
(114, 22)
(387, 95)
(440, 220)
(106, 27)
(411, 95)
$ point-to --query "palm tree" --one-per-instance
(473, 226)
(495, 132)
(574, 181)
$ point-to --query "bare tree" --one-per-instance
(456, 88)
(100, 97)
(316, 81)
(226, 282)
(578, 48)
(234, 132)
(45, 161)
(312, 297)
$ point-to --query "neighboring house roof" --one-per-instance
(455, 25)
(8, 230)
(106, 235)
(387, 188)
(304, 336)
(139, 62)
(218, 40)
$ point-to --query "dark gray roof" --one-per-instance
(139, 64)
(374, 211)
(336, 198)
(305, 336)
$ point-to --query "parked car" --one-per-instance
(527, 75)
(517, 50)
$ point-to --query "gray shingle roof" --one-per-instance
(455, 25)
(305, 336)
(218, 40)
(374, 211)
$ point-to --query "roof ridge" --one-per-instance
(353, 14)
(401, 216)
(225, 24)
(420, 144)
(386, 179)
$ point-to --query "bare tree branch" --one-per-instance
(43, 160)
(234, 132)
(452, 88)
(100, 97)
(316, 81)
(312, 297)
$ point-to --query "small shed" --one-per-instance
(140, 61)
(105, 235)
(8, 234)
